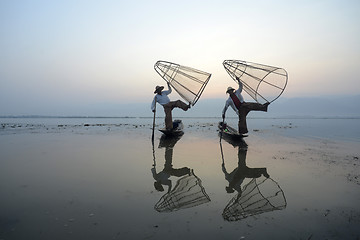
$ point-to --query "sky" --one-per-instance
(62, 55)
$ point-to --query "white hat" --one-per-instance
(228, 89)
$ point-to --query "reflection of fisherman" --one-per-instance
(162, 98)
(237, 176)
(162, 178)
(242, 108)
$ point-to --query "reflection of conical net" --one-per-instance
(187, 193)
(258, 196)
(263, 83)
(188, 82)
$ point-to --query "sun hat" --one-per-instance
(158, 88)
(229, 89)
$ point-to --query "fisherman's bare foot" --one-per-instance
(266, 106)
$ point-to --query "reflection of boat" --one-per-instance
(231, 136)
(177, 129)
(187, 193)
(230, 132)
(169, 142)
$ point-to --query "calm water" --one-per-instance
(104, 179)
(341, 129)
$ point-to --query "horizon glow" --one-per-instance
(61, 54)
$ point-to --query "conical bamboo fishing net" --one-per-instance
(187, 193)
(263, 83)
(188, 82)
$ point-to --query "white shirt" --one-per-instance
(161, 98)
(229, 101)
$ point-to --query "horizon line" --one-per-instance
(195, 117)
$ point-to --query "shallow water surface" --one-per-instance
(110, 181)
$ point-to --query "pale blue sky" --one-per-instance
(55, 54)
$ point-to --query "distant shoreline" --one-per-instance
(160, 117)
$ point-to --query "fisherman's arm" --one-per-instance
(224, 169)
(240, 85)
(239, 90)
(153, 171)
(153, 104)
(227, 104)
(224, 110)
(169, 90)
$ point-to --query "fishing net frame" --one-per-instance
(258, 75)
(171, 71)
(182, 196)
(253, 202)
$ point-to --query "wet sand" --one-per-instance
(95, 180)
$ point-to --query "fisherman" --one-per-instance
(162, 98)
(238, 175)
(163, 177)
(242, 108)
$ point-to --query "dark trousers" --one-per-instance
(168, 109)
(244, 109)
